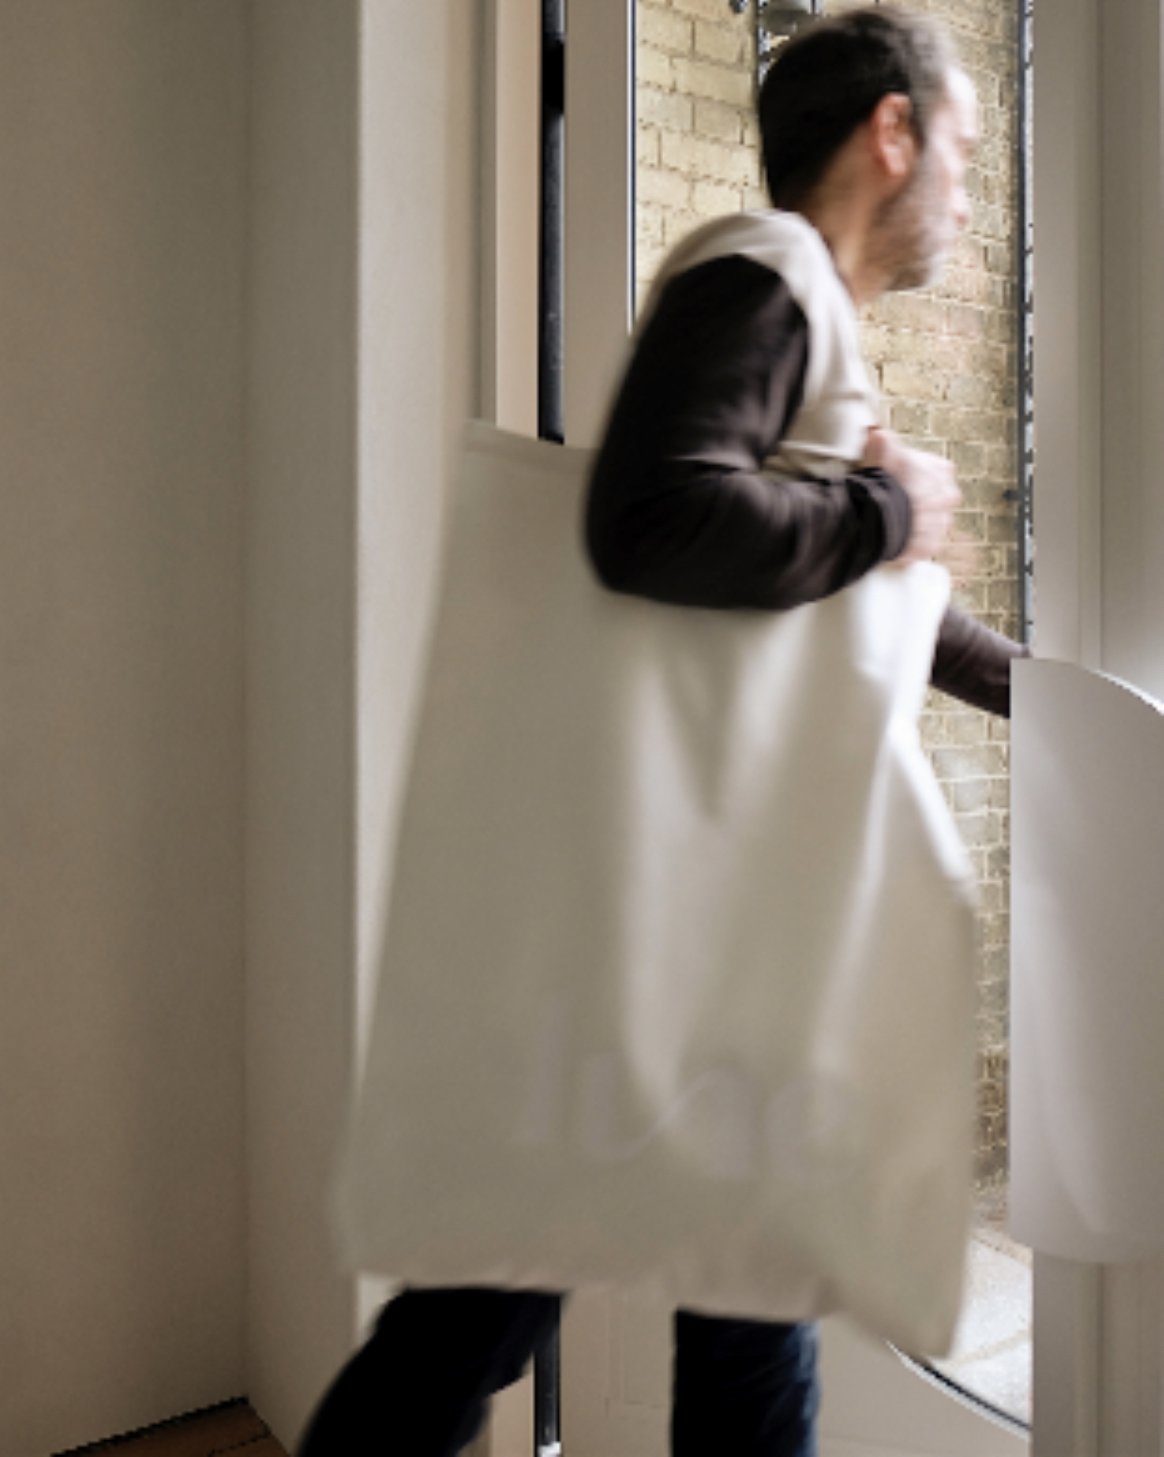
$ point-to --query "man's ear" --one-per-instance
(891, 136)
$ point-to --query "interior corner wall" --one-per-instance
(363, 366)
(122, 152)
(1069, 327)
(237, 282)
(419, 358)
(300, 696)
(420, 355)
(1132, 314)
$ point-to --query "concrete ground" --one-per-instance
(992, 1354)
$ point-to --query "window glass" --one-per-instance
(947, 364)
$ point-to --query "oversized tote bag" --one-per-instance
(677, 985)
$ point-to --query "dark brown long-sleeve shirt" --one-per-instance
(680, 508)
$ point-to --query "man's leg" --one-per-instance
(420, 1386)
(747, 1387)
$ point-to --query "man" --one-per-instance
(681, 509)
(867, 124)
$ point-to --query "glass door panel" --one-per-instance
(948, 365)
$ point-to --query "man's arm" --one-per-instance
(972, 662)
(679, 508)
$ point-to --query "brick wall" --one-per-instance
(696, 133)
(946, 362)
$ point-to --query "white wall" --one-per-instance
(418, 353)
(1131, 86)
(1099, 588)
(510, 141)
(238, 336)
(122, 159)
(363, 331)
(300, 685)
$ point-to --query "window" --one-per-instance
(950, 365)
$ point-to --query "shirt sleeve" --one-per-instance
(972, 662)
(679, 508)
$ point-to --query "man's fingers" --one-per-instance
(884, 447)
(930, 483)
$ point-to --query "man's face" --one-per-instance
(916, 228)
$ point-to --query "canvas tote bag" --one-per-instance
(677, 985)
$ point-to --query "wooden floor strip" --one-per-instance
(232, 1429)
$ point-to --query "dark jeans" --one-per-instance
(420, 1386)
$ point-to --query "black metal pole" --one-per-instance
(548, 1397)
(551, 426)
(552, 244)
(1026, 323)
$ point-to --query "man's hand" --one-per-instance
(928, 481)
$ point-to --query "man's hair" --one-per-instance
(829, 78)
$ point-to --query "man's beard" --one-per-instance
(909, 238)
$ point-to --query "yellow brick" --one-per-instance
(917, 311)
(654, 68)
(969, 460)
(676, 225)
(713, 160)
(911, 382)
(1001, 527)
(965, 320)
(721, 43)
(718, 83)
(972, 596)
(706, 9)
(909, 417)
(647, 152)
(954, 424)
(973, 387)
(663, 28)
(992, 895)
(666, 109)
(991, 1097)
(647, 261)
(928, 443)
(719, 122)
(971, 794)
(953, 763)
(876, 339)
(713, 199)
(649, 227)
(992, 220)
(661, 186)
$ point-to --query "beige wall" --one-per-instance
(363, 355)
(300, 685)
(122, 154)
(237, 255)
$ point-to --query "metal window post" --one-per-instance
(551, 426)
(551, 249)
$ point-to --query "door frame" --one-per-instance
(1099, 332)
